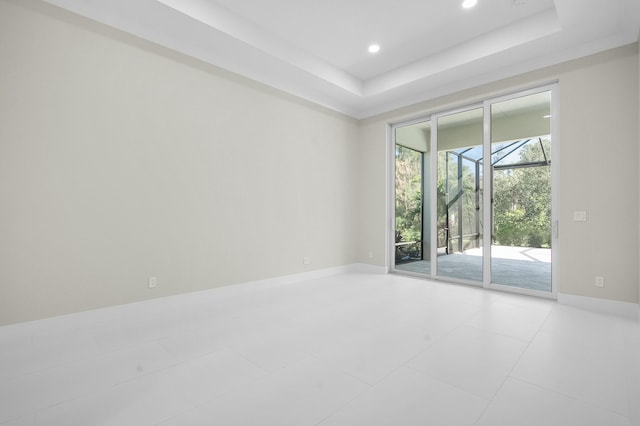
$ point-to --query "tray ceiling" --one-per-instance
(317, 50)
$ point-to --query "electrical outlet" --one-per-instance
(599, 281)
(306, 260)
(153, 282)
(580, 216)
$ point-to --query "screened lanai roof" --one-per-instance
(530, 152)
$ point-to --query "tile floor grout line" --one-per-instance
(515, 364)
(573, 398)
(364, 314)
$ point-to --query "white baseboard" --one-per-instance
(203, 296)
(365, 268)
(293, 278)
(613, 307)
(303, 276)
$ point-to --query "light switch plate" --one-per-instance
(580, 216)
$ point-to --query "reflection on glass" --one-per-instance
(521, 210)
(460, 195)
(412, 235)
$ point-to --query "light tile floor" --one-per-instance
(353, 349)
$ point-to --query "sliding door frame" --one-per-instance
(487, 176)
(391, 199)
(488, 184)
(434, 194)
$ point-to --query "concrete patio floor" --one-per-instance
(522, 267)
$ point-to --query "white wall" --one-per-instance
(120, 160)
(598, 139)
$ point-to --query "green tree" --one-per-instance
(522, 201)
(408, 187)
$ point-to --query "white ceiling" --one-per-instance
(317, 49)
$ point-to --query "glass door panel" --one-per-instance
(412, 245)
(459, 197)
(444, 163)
(521, 187)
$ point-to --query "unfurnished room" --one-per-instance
(295, 212)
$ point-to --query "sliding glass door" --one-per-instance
(521, 237)
(412, 244)
(446, 225)
(459, 197)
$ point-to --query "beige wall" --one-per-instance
(598, 170)
(599, 174)
(120, 160)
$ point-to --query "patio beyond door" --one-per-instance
(478, 211)
(460, 154)
(521, 192)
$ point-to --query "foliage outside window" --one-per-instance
(408, 203)
(522, 200)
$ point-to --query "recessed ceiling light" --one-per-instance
(469, 3)
(374, 48)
